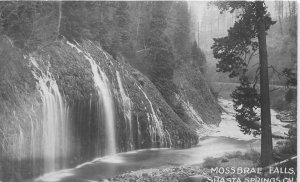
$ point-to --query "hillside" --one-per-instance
(142, 117)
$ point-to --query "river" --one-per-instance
(225, 138)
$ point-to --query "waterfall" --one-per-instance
(106, 103)
(102, 85)
(55, 137)
(199, 125)
(156, 127)
(126, 103)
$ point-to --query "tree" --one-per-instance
(247, 97)
(160, 53)
(234, 52)
(122, 34)
(181, 35)
(198, 57)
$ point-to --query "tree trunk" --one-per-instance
(266, 136)
(198, 43)
(290, 14)
(280, 23)
(59, 17)
(282, 10)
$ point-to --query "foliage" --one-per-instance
(251, 155)
(154, 37)
(291, 77)
(246, 100)
(232, 50)
(237, 158)
(210, 162)
(198, 57)
(235, 51)
(287, 149)
(29, 23)
(160, 51)
(181, 35)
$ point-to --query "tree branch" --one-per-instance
(278, 73)
(250, 57)
(142, 50)
(256, 77)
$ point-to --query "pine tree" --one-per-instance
(198, 57)
(181, 35)
(160, 53)
(234, 53)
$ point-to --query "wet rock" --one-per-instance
(279, 135)
(289, 125)
(286, 116)
(288, 120)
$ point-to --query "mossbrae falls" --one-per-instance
(134, 91)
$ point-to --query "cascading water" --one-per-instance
(126, 103)
(102, 86)
(157, 128)
(201, 127)
(106, 104)
(55, 135)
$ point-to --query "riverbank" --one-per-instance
(171, 174)
(191, 173)
(236, 157)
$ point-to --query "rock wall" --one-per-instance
(142, 117)
(200, 106)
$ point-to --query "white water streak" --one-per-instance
(55, 135)
(102, 86)
(126, 102)
(203, 129)
(157, 129)
(101, 83)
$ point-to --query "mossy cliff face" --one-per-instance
(142, 117)
(200, 107)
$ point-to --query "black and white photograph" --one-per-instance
(148, 91)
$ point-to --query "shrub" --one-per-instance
(290, 95)
(252, 155)
(210, 162)
(237, 154)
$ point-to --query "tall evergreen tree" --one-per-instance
(160, 53)
(198, 57)
(122, 36)
(181, 35)
(247, 36)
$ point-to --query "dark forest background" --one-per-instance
(154, 37)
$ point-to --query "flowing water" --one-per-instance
(201, 127)
(127, 105)
(225, 139)
(156, 129)
(55, 136)
(105, 104)
(50, 137)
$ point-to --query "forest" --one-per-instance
(132, 32)
(147, 90)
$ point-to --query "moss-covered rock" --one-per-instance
(195, 99)
(153, 123)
